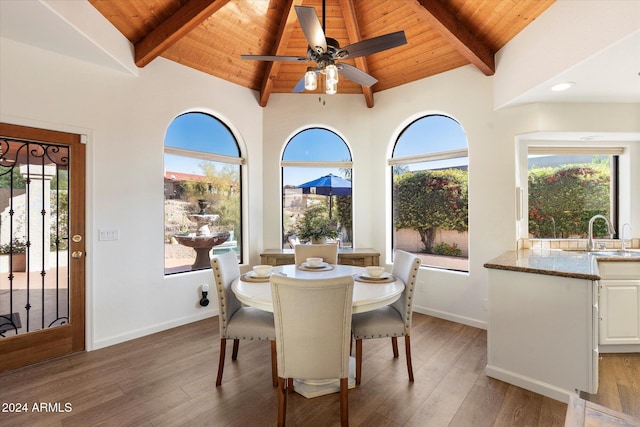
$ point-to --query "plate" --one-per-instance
(322, 265)
(253, 275)
(383, 276)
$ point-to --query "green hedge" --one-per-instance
(563, 199)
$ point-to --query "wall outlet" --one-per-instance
(486, 304)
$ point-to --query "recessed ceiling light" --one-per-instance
(561, 86)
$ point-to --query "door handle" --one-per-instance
(76, 254)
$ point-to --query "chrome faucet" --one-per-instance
(610, 230)
(625, 236)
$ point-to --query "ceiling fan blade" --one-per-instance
(356, 75)
(311, 28)
(373, 45)
(274, 58)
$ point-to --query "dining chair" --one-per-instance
(236, 321)
(313, 334)
(393, 320)
(327, 251)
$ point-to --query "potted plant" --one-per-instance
(316, 225)
(17, 250)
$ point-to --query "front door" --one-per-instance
(42, 245)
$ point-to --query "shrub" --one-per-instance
(17, 247)
(443, 248)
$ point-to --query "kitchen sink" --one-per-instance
(615, 254)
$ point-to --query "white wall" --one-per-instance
(465, 95)
(565, 37)
(125, 118)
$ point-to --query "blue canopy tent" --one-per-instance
(328, 185)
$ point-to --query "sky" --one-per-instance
(201, 132)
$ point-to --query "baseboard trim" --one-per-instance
(138, 333)
(158, 327)
(530, 384)
(482, 324)
(619, 348)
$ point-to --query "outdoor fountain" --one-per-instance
(203, 240)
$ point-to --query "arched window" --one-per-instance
(316, 191)
(202, 192)
(429, 167)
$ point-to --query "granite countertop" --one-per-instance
(555, 262)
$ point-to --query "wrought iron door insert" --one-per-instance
(34, 229)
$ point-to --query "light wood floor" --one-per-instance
(168, 379)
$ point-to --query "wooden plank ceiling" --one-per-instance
(210, 36)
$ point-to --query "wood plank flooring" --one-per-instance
(168, 379)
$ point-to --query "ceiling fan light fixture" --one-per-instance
(310, 81)
(331, 73)
(331, 88)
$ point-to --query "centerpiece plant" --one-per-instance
(315, 225)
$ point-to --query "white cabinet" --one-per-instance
(542, 332)
(619, 304)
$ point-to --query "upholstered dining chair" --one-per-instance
(313, 334)
(236, 321)
(393, 320)
(327, 251)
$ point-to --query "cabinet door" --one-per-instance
(620, 312)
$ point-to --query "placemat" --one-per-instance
(248, 277)
(365, 279)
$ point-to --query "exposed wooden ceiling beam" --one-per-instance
(353, 32)
(174, 28)
(282, 39)
(436, 14)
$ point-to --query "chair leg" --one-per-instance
(282, 402)
(236, 344)
(223, 348)
(358, 361)
(290, 385)
(407, 347)
(344, 402)
(394, 344)
(274, 364)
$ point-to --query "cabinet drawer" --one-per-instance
(619, 270)
(357, 257)
(360, 261)
(279, 259)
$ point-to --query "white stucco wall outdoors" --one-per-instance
(125, 118)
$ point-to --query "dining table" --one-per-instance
(369, 293)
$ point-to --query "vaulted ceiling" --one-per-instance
(210, 36)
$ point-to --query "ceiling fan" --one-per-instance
(325, 52)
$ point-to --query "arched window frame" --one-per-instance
(343, 164)
(238, 160)
(441, 155)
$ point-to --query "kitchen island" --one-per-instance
(543, 331)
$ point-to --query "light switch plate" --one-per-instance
(109, 234)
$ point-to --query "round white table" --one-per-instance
(367, 295)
